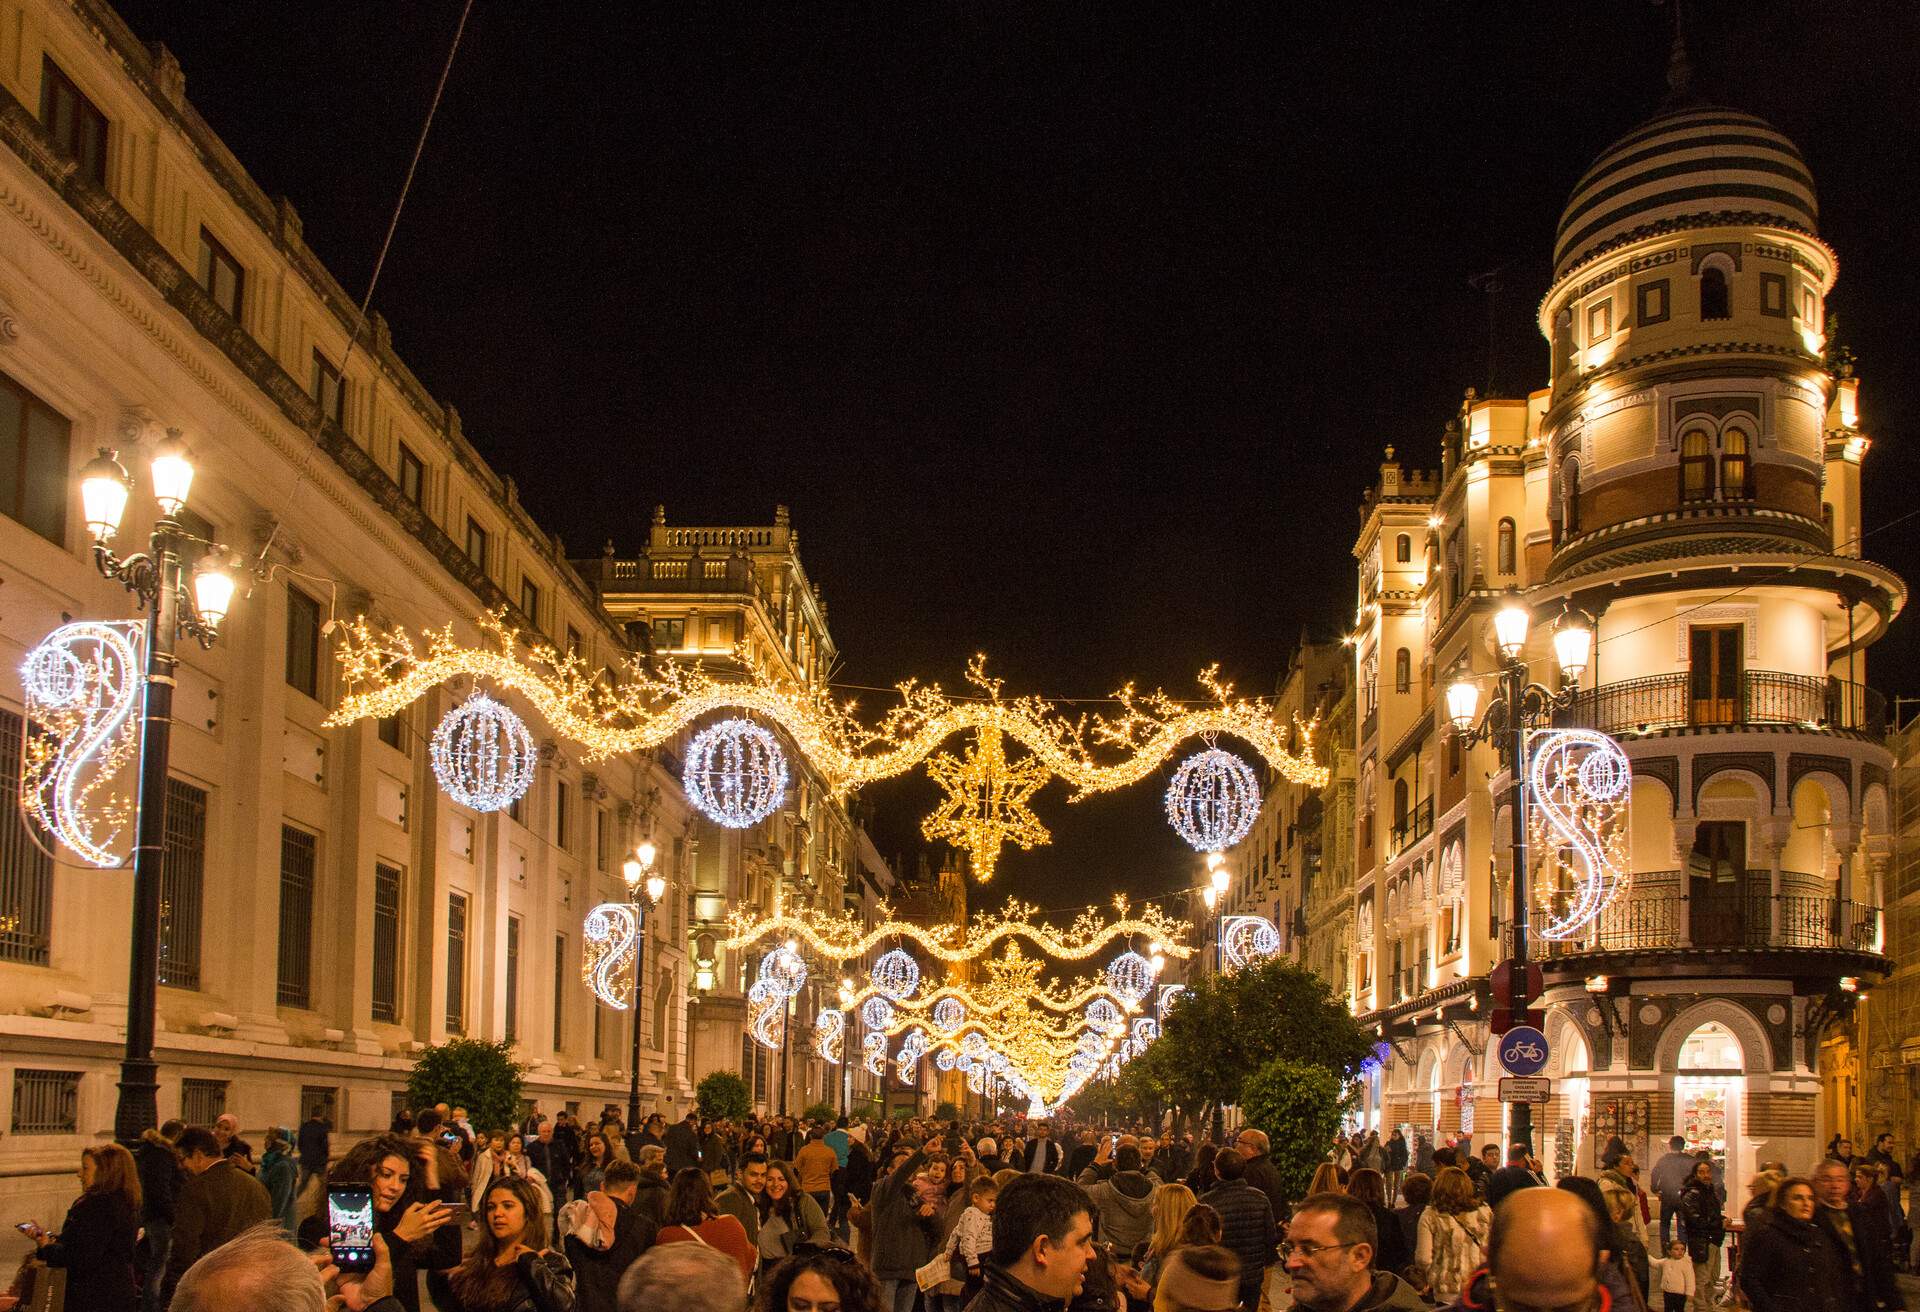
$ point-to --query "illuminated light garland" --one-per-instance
(1580, 782)
(735, 773)
(1213, 800)
(1246, 939)
(830, 1035)
(985, 806)
(383, 672)
(896, 974)
(843, 938)
(83, 683)
(483, 755)
(609, 936)
(912, 1048)
(767, 1014)
(1130, 976)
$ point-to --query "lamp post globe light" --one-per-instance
(156, 579)
(643, 882)
(1518, 704)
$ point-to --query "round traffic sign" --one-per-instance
(1523, 1050)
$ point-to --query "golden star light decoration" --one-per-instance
(986, 803)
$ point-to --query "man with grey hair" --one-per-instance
(1262, 1174)
(683, 1278)
(260, 1271)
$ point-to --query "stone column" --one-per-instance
(1846, 843)
(1774, 833)
(1685, 824)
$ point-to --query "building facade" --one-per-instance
(1690, 479)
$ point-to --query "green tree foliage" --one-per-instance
(1229, 1026)
(946, 1111)
(472, 1073)
(1298, 1105)
(723, 1094)
(822, 1111)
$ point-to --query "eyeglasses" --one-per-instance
(1307, 1252)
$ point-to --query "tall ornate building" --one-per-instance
(1690, 479)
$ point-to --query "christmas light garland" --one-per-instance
(83, 683)
(843, 937)
(1579, 782)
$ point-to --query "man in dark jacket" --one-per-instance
(1124, 1201)
(217, 1202)
(548, 1155)
(597, 1271)
(1042, 1247)
(314, 1146)
(904, 1228)
(160, 1179)
(1246, 1223)
(1518, 1173)
(1262, 1174)
(1043, 1153)
(1667, 1182)
(1863, 1236)
(741, 1199)
(716, 1150)
(683, 1144)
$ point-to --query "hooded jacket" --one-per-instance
(1126, 1209)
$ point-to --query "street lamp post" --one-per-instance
(846, 1046)
(641, 881)
(1518, 705)
(1215, 896)
(155, 578)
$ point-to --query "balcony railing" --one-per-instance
(1416, 826)
(1669, 701)
(1658, 914)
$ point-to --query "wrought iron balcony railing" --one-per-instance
(1673, 701)
(1660, 914)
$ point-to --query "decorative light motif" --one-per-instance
(844, 938)
(483, 755)
(1170, 994)
(83, 684)
(1213, 800)
(944, 1060)
(896, 974)
(1102, 1015)
(610, 935)
(986, 803)
(912, 1048)
(786, 970)
(1579, 781)
(1246, 939)
(873, 1048)
(830, 1034)
(876, 1014)
(735, 773)
(767, 1014)
(1130, 976)
(949, 1015)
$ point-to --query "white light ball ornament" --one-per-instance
(896, 974)
(1130, 976)
(735, 773)
(1213, 800)
(949, 1015)
(876, 1014)
(483, 755)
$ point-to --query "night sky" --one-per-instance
(1070, 332)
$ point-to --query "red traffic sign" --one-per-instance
(1526, 1088)
(1503, 1019)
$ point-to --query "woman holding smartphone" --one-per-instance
(511, 1269)
(95, 1244)
(410, 1208)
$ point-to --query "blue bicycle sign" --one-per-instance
(1523, 1050)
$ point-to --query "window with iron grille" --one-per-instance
(513, 979)
(78, 128)
(562, 810)
(296, 917)
(456, 963)
(324, 1096)
(202, 1102)
(183, 873)
(559, 990)
(33, 461)
(386, 942)
(45, 1102)
(303, 642)
(26, 871)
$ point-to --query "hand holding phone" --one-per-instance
(350, 1226)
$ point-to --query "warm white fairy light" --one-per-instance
(1579, 782)
(1246, 939)
(610, 935)
(1213, 800)
(874, 1053)
(1170, 994)
(1130, 976)
(845, 937)
(483, 755)
(767, 1014)
(83, 684)
(949, 1015)
(829, 1034)
(896, 974)
(735, 773)
(876, 1013)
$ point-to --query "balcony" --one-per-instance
(1669, 701)
(1658, 915)
(1413, 827)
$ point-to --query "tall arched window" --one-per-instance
(1736, 470)
(1399, 804)
(1402, 670)
(1506, 546)
(1403, 549)
(1696, 465)
(1715, 300)
(1570, 497)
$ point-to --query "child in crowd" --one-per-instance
(973, 1236)
(1672, 1275)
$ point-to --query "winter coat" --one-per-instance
(1701, 1225)
(1126, 1209)
(1390, 1251)
(1451, 1247)
(161, 1176)
(545, 1285)
(1000, 1292)
(683, 1147)
(214, 1206)
(279, 1174)
(902, 1238)
(1397, 1154)
(1390, 1294)
(1874, 1285)
(1246, 1230)
(1793, 1266)
(1263, 1175)
(597, 1271)
(95, 1245)
(778, 1235)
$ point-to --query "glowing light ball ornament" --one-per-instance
(735, 773)
(1130, 976)
(483, 755)
(896, 974)
(948, 1015)
(877, 1014)
(1213, 800)
(83, 685)
(1247, 938)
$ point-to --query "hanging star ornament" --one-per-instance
(986, 803)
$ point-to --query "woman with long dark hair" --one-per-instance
(511, 1269)
(95, 1243)
(593, 1167)
(822, 1278)
(691, 1216)
(410, 1207)
(788, 1217)
(1203, 1176)
(1391, 1252)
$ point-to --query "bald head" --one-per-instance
(1545, 1248)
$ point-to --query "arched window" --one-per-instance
(1402, 670)
(1715, 300)
(1403, 549)
(1570, 497)
(1736, 470)
(1696, 466)
(1506, 543)
(1399, 804)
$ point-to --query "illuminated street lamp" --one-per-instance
(643, 882)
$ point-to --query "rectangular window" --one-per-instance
(321, 1098)
(559, 990)
(1773, 294)
(221, 275)
(303, 643)
(669, 635)
(33, 461)
(1651, 302)
(574, 645)
(296, 918)
(413, 476)
(601, 853)
(386, 942)
(183, 872)
(392, 730)
(513, 979)
(329, 390)
(476, 543)
(562, 810)
(1600, 321)
(456, 963)
(202, 1102)
(1714, 674)
(530, 601)
(78, 128)
(26, 871)
(45, 1102)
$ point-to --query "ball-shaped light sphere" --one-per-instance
(1213, 800)
(735, 773)
(896, 974)
(483, 755)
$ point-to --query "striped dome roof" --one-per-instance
(1685, 163)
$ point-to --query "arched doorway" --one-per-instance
(1707, 1089)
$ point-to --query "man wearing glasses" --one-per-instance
(1329, 1257)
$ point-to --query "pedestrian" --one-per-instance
(1704, 1230)
(1202, 1178)
(1423, 1154)
(1671, 1277)
(1262, 1174)
(1172, 1204)
(1327, 1179)
(817, 1281)
(1518, 1173)
(1793, 1263)
(412, 1207)
(987, 1151)
(1329, 1257)
(905, 1226)
(1373, 1155)
(1390, 1250)
(1543, 1252)
(1042, 1248)
(1042, 1153)
(1124, 1203)
(607, 1235)
(1624, 1287)
(693, 1217)
(1622, 1199)
(741, 1199)
(1199, 1278)
(685, 1278)
(1862, 1236)
(1452, 1240)
(815, 1163)
(683, 1143)
(1668, 1182)
(973, 1235)
(511, 1269)
(315, 1146)
(593, 1166)
(1417, 1189)
(161, 1176)
(1397, 1158)
(279, 1173)
(226, 1132)
(217, 1201)
(653, 1134)
(547, 1154)
(788, 1217)
(1246, 1222)
(95, 1244)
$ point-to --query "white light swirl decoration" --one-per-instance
(1213, 800)
(896, 974)
(1246, 939)
(873, 1048)
(1130, 975)
(610, 934)
(830, 1034)
(877, 1014)
(83, 685)
(767, 1014)
(949, 1015)
(1579, 781)
(735, 773)
(912, 1047)
(483, 755)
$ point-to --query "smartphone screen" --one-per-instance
(350, 1226)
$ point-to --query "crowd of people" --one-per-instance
(918, 1215)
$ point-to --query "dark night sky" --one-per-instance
(1070, 332)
